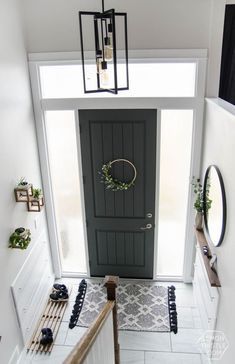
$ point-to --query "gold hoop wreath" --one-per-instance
(112, 183)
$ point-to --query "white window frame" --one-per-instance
(195, 103)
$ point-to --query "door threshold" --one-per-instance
(74, 275)
(156, 279)
(168, 279)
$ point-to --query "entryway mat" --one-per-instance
(141, 306)
(51, 318)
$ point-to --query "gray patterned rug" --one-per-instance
(141, 306)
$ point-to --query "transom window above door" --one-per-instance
(147, 79)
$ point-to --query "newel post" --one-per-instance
(111, 283)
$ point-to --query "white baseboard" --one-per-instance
(15, 356)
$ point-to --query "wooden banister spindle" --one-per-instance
(111, 283)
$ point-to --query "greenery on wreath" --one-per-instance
(112, 183)
(199, 204)
(20, 238)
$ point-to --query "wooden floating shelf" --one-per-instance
(23, 193)
(212, 275)
(35, 204)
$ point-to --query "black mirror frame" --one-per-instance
(224, 205)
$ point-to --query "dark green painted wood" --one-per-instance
(116, 244)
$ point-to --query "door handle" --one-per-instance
(147, 227)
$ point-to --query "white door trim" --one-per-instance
(145, 54)
(45, 170)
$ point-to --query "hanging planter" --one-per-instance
(23, 190)
(36, 201)
(20, 239)
(112, 183)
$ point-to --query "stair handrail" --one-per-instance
(82, 348)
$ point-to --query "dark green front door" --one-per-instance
(120, 224)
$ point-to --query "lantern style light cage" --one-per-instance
(103, 31)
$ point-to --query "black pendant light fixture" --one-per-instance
(103, 31)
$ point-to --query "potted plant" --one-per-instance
(20, 238)
(200, 205)
(36, 201)
(22, 182)
(23, 190)
(37, 193)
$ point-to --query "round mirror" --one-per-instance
(214, 205)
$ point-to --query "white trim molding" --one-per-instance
(183, 54)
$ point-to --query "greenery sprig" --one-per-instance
(199, 204)
(37, 193)
(112, 183)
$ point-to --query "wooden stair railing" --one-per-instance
(82, 349)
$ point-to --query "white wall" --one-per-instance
(219, 146)
(52, 25)
(18, 157)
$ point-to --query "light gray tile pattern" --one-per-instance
(131, 357)
(74, 335)
(185, 318)
(184, 298)
(137, 347)
(186, 341)
(132, 340)
(171, 358)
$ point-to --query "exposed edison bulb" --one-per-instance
(108, 52)
(108, 44)
(104, 75)
(104, 79)
(98, 60)
(98, 65)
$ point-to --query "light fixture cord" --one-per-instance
(102, 38)
(102, 6)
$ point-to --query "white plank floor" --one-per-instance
(138, 347)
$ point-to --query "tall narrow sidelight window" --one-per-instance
(64, 172)
(175, 158)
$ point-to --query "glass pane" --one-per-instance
(61, 81)
(146, 80)
(162, 79)
(175, 156)
(62, 150)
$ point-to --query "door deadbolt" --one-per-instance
(147, 227)
(149, 215)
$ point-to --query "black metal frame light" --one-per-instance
(105, 41)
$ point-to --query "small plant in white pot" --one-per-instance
(200, 205)
(20, 239)
(23, 190)
(22, 182)
(37, 193)
(36, 201)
